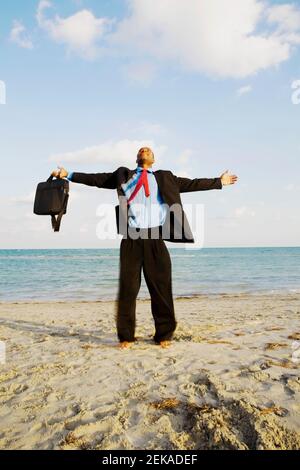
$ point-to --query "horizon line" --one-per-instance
(177, 247)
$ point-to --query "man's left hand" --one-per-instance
(227, 179)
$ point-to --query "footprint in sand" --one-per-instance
(291, 383)
(13, 389)
(227, 424)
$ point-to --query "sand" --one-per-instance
(230, 380)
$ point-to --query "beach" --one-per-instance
(229, 380)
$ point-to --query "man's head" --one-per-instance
(145, 157)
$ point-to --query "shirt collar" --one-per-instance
(139, 168)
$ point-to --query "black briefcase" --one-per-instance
(51, 198)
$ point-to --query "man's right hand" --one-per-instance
(60, 173)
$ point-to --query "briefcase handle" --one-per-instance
(51, 177)
(56, 221)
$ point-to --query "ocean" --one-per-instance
(92, 274)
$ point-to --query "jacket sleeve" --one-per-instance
(186, 185)
(101, 180)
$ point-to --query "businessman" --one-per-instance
(149, 213)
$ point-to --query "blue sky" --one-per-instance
(89, 82)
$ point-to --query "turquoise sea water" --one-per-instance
(93, 274)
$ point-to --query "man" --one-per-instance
(151, 207)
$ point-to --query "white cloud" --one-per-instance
(27, 199)
(232, 38)
(183, 173)
(184, 157)
(143, 129)
(292, 187)
(19, 35)
(78, 193)
(143, 72)
(239, 211)
(21, 224)
(121, 153)
(287, 19)
(183, 163)
(80, 32)
(84, 228)
(228, 39)
(286, 16)
(244, 90)
(150, 128)
(244, 211)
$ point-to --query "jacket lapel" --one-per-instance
(159, 179)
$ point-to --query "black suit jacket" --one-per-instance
(176, 228)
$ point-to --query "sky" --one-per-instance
(209, 85)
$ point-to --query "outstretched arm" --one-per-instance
(101, 180)
(204, 184)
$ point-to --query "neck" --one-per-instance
(145, 165)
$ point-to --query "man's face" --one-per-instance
(145, 156)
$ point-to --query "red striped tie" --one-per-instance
(143, 181)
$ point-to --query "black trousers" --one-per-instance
(151, 256)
